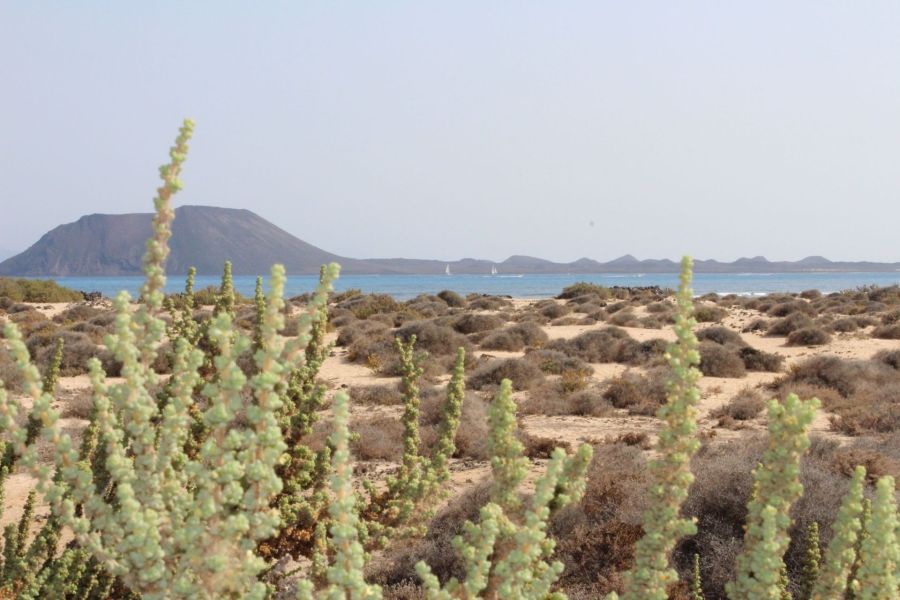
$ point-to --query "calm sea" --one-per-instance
(525, 286)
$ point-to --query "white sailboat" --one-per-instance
(493, 270)
(447, 270)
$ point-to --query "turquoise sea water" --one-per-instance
(524, 286)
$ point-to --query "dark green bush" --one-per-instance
(37, 290)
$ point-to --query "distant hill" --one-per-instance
(206, 236)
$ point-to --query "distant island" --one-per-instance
(206, 236)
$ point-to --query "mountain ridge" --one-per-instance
(205, 236)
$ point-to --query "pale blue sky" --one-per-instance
(482, 129)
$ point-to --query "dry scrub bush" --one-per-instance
(721, 361)
(861, 394)
(623, 318)
(471, 434)
(705, 313)
(556, 363)
(515, 337)
(887, 332)
(610, 345)
(477, 322)
(757, 360)
(375, 395)
(720, 335)
(808, 336)
(596, 538)
(452, 299)
(890, 358)
(523, 373)
(789, 324)
(435, 339)
(551, 398)
(640, 394)
(377, 438)
(784, 309)
(485, 302)
(743, 406)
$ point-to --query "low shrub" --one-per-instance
(720, 335)
(9, 373)
(596, 538)
(660, 308)
(375, 395)
(452, 299)
(477, 322)
(515, 337)
(572, 320)
(29, 321)
(377, 438)
(787, 325)
(485, 302)
(889, 357)
(582, 288)
(842, 375)
(887, 332)
(555, 362)
(862, 395)
(37, 290)
(705, 313)
(844, 325)
(589, 402)
(610, 345)
(758, 360)
(523, 373)
(623, 318)
(640, 394)
(721, 361)
(554, 310)
(365, 306)
(77, 404)
(756, 325)
(397, 565)
(79, 312)
(783, 309)
(472, 434)
(808, 336)
(743, 406)
(78, 348)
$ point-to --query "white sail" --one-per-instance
(447, 270)
(493, 270)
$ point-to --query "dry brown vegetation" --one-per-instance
(586, 369)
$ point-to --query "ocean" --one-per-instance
(404, 287)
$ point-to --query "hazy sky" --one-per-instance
(468, 129)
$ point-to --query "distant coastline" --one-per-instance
(529, 286)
